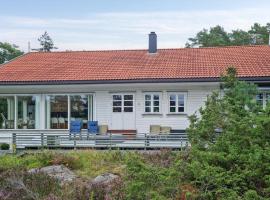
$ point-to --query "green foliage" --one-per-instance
(151, 180)
(233, 163)
(4, 146)
(8, 52)
(217, 36)
(46, 42)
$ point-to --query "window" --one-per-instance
(57, 112)
(263, 98)
(117, 103)
(122, 103)
(7, 112)
(28, 112)
(177, 102)
(61, 109)
(151, 103)
(79, 108)
(259, 99)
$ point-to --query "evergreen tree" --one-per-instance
(230, 151)
(46, 42)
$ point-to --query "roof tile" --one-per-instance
(250, 61)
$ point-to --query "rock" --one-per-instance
(106, 186)
(60, 172)
(105, 179)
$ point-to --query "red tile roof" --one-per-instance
(193, 63)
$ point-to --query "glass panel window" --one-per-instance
(263, 98)
(117, 103)
(123, 103)
(57, 111)
(147, 109)
(267, 98)
(79, 109)
(28, 112)
(117, 97)
(128, 97)
(117, 109)
(177, 103)
(152, 103)
(7, 112)
(156, 109)
(128, 109)
(259, 99)
(147, 97)
(128, 103)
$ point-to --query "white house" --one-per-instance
(123, 89)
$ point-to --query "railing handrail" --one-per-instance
(110, 140)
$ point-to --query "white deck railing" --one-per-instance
(63, 139)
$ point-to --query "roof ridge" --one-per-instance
(162, 49)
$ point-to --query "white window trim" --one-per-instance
(44, 109)
(123, 102)
(176, 105)
(69, 114)
(264, 99)
(152, 103)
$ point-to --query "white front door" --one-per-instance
(123, 112)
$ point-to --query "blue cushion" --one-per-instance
(92, 127)
(75, 126)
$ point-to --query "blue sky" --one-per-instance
(122, 24)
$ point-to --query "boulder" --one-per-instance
(105, 179)
(106, 186)
(60, 172)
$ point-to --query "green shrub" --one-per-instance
(4, 146)
(233, 164)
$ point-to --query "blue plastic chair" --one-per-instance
(76, 127)
(92, 127)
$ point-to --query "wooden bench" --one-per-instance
(128, 133)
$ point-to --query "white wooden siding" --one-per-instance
(196, 96)
(195, 99)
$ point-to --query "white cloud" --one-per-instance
(125, 30)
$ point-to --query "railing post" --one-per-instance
(14, 143)
(110, 140)
(42, 139)
(145, 141)
(75, 144)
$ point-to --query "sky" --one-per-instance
(122, 24)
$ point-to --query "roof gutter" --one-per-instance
(182, 80)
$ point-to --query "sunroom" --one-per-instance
(50, 111)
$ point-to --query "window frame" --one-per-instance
(177, 102)
(91, 116)
(152, 94)
(123, 100)
(15, 111)
(37, 99)
(264, 99)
